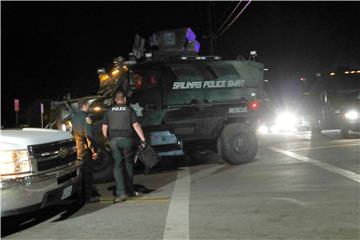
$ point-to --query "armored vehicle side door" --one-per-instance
(147, 94)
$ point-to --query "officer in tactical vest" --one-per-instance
(118, 127)
(86, 150)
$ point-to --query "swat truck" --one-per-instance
(334, 102)
(185, 102)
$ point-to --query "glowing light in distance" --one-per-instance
(352, 115)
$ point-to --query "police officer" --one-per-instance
(86, 150)
(118, 127)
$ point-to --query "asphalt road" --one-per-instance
(298, 187)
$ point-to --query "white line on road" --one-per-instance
(177, 224)
(290, 200)
(324, 147)
(177, 221)
(345, 173)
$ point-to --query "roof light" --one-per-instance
(104, 77)
(253, 53)
(358, 71)
(347, 72)
(101, 71)
(332, 74)
(183, 58)
(352, 72)
(115, 72)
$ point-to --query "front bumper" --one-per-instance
(354, 125)
(20, 195)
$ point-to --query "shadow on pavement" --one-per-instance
(13, 224)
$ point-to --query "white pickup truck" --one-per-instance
(38, 167)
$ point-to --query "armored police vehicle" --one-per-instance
(334, 102)
(185, 102)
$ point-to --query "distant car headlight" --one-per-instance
(13, 162)
(263, 129)
(352, 115)
(286, 121)
(67, 126)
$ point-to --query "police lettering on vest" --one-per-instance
(118, 109)
(120, 118)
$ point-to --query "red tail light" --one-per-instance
(138, 83)
(254, 105)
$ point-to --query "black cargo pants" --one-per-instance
(123, 154)
(88, 169)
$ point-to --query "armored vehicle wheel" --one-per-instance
(103, 167)
(238, 144)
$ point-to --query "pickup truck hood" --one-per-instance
(21, 138)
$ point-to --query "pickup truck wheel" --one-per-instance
(315, 131)
(345, 132)
(238, 144)
(103, 167)
(315, 128)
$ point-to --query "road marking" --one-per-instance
(307, 136)
(177, 220)
(291, 200)
(345, 173)
(323, 147)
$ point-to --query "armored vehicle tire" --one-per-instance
(238, 144)
(103, 170)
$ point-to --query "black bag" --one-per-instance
(147, 156)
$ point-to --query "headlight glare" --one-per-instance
(263, 129)
(13, 162)
(286, 121)
(352, 115)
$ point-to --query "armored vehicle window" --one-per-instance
(224, 71)
(146, 79)
(186, 72)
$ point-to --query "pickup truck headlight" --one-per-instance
(13, 162)
(352, 115)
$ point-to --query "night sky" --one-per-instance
(52, 48)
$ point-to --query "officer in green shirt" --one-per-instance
(86, 149)
(118, 127)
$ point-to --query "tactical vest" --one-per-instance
(119, 118)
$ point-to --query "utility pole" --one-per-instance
(42, 114)
(211, 33)
(16, 109)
